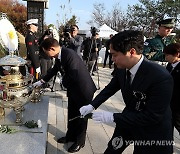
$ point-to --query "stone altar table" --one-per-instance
(25, 142)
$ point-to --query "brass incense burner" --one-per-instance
(15, 81)
(16, 86)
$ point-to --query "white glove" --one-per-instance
(84, 110)
(38, 70)
(106, 117)
(37, 84)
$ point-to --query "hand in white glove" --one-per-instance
(37, 84)
(84, 110)
(106, 117)
(38, 70)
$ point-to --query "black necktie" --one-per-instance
(127, 90)
(128, 79)
(170, 68)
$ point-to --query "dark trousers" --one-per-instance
(107, 54)
(123, 137)
(76, 129)
(91, 65)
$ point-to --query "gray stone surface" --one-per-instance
(23, 142)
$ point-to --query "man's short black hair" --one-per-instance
(75, 26)
(172, 49)
(49, 42)
(126, 40)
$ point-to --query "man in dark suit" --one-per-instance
(146, 89)
(172, 55)
(80, 89)
(107, 53)
(92, 46)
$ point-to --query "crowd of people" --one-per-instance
(152, 109)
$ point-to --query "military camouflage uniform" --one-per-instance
(153, 48)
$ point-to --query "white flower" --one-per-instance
(39, 123)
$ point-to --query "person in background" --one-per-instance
(45, 60)
(32, 47)
(99, 46)
(172, 56)
(146, 117)
(107, 53)
(91, 47)
(153, 48)
(75, 41)
(80, 89)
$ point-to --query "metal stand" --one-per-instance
(18, 111)
(52, 88)
(98, 76)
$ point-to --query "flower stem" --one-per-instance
(28, 131)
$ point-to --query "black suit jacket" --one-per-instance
(76, 77)
(147, 112)
(175, 104)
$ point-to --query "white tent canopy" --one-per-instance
(106, 31)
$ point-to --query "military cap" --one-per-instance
(32, 21)
(167, 22)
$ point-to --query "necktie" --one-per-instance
(170, 68)
(128, 79)
(127, 90)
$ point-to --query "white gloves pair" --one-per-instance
(38, 70)
(105, 117)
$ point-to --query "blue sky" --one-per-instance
(81, 8)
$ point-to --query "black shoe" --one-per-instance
(75, 147)
(62, 140)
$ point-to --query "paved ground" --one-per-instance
(98, 135)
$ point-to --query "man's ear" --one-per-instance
(52, 48)
(132, 51)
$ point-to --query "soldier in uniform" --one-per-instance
(32, 47)
(153, 48)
